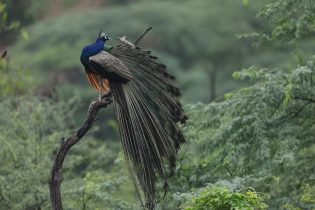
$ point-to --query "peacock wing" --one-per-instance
(110, 67)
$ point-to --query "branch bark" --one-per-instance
(56, 172)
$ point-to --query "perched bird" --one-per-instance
(147, 109)
(96, 80)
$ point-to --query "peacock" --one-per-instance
(147, 109)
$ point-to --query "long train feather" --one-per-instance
(147, 110)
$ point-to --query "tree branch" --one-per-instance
(124, 40)
(142, 35)
(56, 172)
(4, 54)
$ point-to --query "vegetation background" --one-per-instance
(247, 73)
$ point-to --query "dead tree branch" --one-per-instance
(124, 40)
(142, 35)
(56, 172)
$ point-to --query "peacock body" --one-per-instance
(147, 110)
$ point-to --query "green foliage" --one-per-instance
(218, 198)
(307, 198)
(5, 24)
(31, 129)
(291, 22)
(8, 23)
(29, 133)
(14, 82)
(26, 11)
(259, 136)
(95, 190)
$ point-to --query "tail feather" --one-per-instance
(93, 80)
(147, 110)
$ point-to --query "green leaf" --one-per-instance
(24, 34)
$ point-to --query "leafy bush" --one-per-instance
(14, 81)
(30, 131)
(218, 198)
(260, 136)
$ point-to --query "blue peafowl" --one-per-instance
(147, 110)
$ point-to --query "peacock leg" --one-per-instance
(100, 83)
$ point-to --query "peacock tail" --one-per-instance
(148, 110)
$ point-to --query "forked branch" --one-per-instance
(56, 172)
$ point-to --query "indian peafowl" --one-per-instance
(147, 109)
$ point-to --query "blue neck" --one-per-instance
(91, 50)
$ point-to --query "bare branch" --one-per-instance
(56, 172)
(142, 35)
(124, 40)
(4, 54)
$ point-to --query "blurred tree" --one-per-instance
(6, 21)
(9, 26)
(18, 10)
(14, 82)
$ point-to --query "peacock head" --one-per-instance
(103, 36)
